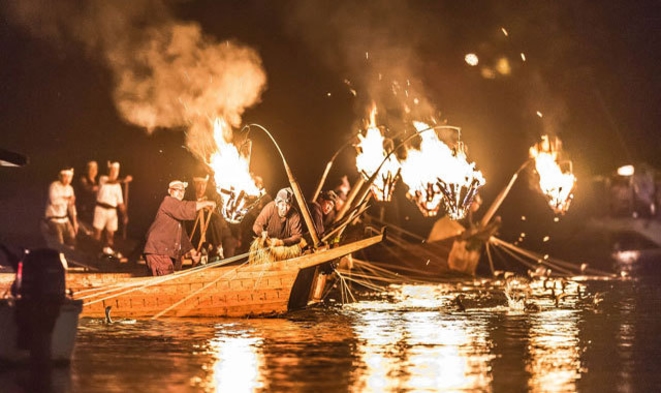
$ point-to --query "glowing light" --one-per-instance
(523, 56)
(556, 183)
(438, 176)
(504, 31)
(238, 366)
(626, 170)
(503, 66)
(471, 59)
(232, 175)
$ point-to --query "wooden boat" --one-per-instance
(445, 252)
(222, 289)
(63, 340)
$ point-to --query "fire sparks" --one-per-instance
(556, 182)
(439, 177)
(371, 155)
(232, 175)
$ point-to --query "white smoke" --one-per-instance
(167, 73)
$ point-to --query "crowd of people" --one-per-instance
(183, 227)
(96, 212)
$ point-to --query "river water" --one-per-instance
(464, 336)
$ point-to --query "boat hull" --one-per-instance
(63, 339)
(248, 290)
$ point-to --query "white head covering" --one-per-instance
(66, 171)
(178, 185)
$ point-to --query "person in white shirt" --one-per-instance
(109, 200)
(60, 224)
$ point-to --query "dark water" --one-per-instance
(591, 336)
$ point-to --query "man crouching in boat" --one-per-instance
(167, 240)
(278, 227)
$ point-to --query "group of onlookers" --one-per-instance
(94, 207)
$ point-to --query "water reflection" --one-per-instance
(554, 351)
(407, 338)
(239, 360)
(419, 346)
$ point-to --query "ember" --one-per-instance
(556, 179)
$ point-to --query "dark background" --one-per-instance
(590, 68)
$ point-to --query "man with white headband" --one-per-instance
(167, 239)
(109, 200)
(60, 223)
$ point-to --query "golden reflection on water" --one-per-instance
(420, 348)
(555, 352)
(238, 364)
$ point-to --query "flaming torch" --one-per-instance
(440, 177)
(556, 179)
(232, 175)
(373, 148)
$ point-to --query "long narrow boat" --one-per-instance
(220, 290)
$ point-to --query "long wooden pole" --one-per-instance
(501, 197)
(298, 194)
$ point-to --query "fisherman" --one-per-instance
(86, 191)
(167, 239)
(60, 223)
(323, 211)
(244, 228)
(342, 191)
(217, 234)
(279, 221)
(109, 200)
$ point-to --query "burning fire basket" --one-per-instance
(235, 205)
(556, 178)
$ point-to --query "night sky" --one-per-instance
(75, 73)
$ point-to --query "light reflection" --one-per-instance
(239, 364)
(420, 349)
(554, 349)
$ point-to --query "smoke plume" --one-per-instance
(167, 73)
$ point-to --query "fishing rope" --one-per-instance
(150, 281)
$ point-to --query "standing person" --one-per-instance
(218, 234)
(323, 211)
(60, 223)
(280, 221)
(167, 239)
(244, 228)
(87, 189)
(108, 201)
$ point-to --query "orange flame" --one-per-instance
(438, 176)
(371, 153)
(556, 183)
(232, 174)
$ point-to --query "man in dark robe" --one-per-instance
(323, 211)
(167, 240)
(280, 221)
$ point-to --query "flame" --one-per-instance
(438, 176)
(371, 154)
(232, 174)
(556, 184)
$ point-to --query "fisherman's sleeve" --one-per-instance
(262, 220)
(179, 210)
(295, 229)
